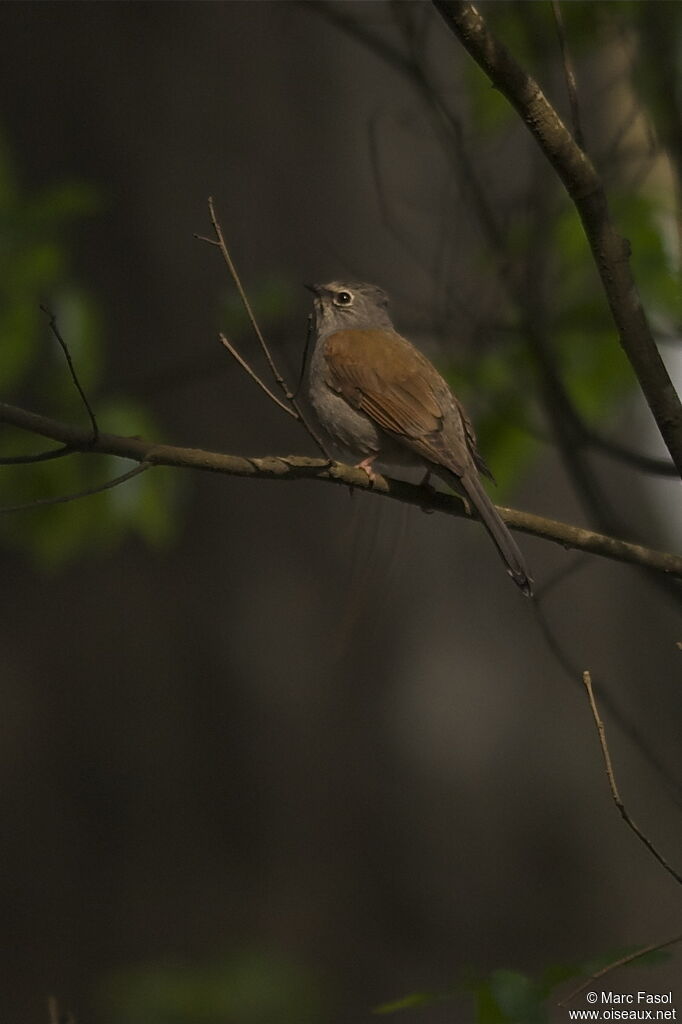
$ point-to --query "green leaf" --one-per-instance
(249, 987)
(490, 111)
(519, 997)
(61, 204)
(557, 974)
(505, 443)
(19, 323)
(488, 1010)
(410, 1002)
(55, 534)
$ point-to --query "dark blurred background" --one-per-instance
(270, 753)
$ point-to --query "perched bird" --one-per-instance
(378, 397)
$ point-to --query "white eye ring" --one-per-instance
(343, 299)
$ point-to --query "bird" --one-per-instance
(379, 398)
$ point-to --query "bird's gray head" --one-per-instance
(340, 307)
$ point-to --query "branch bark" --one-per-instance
(610, 250)
(297, 467)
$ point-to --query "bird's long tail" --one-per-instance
(502, 538)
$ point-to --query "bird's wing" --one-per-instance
(384, 376)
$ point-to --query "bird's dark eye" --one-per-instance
(344, 298)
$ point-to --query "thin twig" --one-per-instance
(204, 238)
(20, 460)
(56, 453)
(279, 379)
(627, 727)
(244, 298)
(254, 376)
(296, 467)
(587, 680)
(72, 370)
(569, 74)
(64, 498)
(621, 962)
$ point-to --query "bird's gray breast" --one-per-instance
(349, 428)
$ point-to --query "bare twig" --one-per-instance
(296, 467)
(610, 251)
(72, 369)
(587, 680)
(64, 498)
(627, 727)
(21, 460)
(569, 73)
(254, 376)
(279, 379)
(222, 245)
(210, 241)
(55, 453)
(621, 962)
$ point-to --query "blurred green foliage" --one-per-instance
(246, 987)
(580, 334)
(35, 269)
(509, 997)
(273, 299)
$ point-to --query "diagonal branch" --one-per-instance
(610, 251)
(72, 370)
(62, 499)
(23, 460)
(296, 467)
(620, 962)
(587, 680)
(225, 252)
(249, 370)
(295, 409)
(56, 453)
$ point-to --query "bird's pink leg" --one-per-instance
(366, 464)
